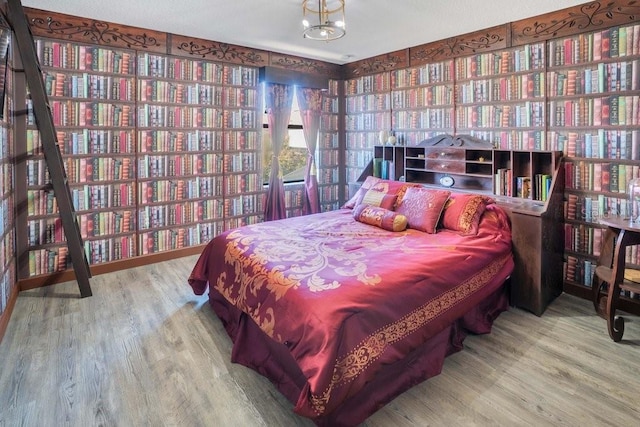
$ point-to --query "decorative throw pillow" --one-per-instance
(380, 217)
(423, 207)
(366, 185)
(374, 197)
(462, 212)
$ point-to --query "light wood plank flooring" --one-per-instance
(145, 351)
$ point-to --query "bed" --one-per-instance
(342, 313)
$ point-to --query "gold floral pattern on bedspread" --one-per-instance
(268, 257)
(352, 364)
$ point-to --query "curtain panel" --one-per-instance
(278, 101)
(310, 103)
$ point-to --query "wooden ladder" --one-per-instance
(44, 120)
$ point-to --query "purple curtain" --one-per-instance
(278, 104)
(310, 103)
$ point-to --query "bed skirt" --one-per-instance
(253, 349)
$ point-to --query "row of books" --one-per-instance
(7, 282)
(49, 230)
(90, 197)
(580, 238)
(592, 47)
(175, 68)
(176, 238)
(359, 159)
(6, 181)
(420, 119)
(434, 73)
(329, 176)
(150, 115)
(585, 239)
(179, 93)
(182, 213)
(513, 87)
(241, 161)
(366, 84)
(611, 110)
(80, 114)
(196, 93)
(599, 176)
(105, 250)
(522, 186)
(528, 57)
(329, 104)
(328, 140)
(87, 169)
(513, 139)
(329, 122)
(328, 158)
(82, 57)
(368, 122)
(86, 141)
(599, 78)
(180, 189)
(87, 197)
(6, 216)
(241, 204)
(87, 85)
(293, 197)
(179, 165)
(430, 96)
(328, 193)
(363, 140)
(619, 144)
(241, 140)
(106, 223)
(579, 271)
(384, 169)
(241, 183)
(46, 261)
(590, 208)
(527, 114)
(171, 141)
(368, 102)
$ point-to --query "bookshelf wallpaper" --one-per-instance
(578, 95)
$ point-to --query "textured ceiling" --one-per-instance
(373, 26)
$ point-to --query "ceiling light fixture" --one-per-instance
(323, 20)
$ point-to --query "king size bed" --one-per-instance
(343, 312)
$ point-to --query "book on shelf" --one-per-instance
(523, 187)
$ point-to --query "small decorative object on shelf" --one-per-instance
(634, 201)
(391, 140)
(447, 181)
(383, 136)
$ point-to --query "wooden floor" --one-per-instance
(144, 351)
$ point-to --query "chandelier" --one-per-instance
(323, 19)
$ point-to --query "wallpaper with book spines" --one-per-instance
(328, 152)
(8, 262)
(92, 102)
(161, 152)
(500, 97)
(594, 119)
(199, 135)
(421, 102)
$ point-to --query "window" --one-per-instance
(293, 157)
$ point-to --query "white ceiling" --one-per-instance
(373, 26)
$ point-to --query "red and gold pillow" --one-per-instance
(397, 188)
(462, 212)
(378, 198)
(380, 217)
(423, 207)
(366, 185)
